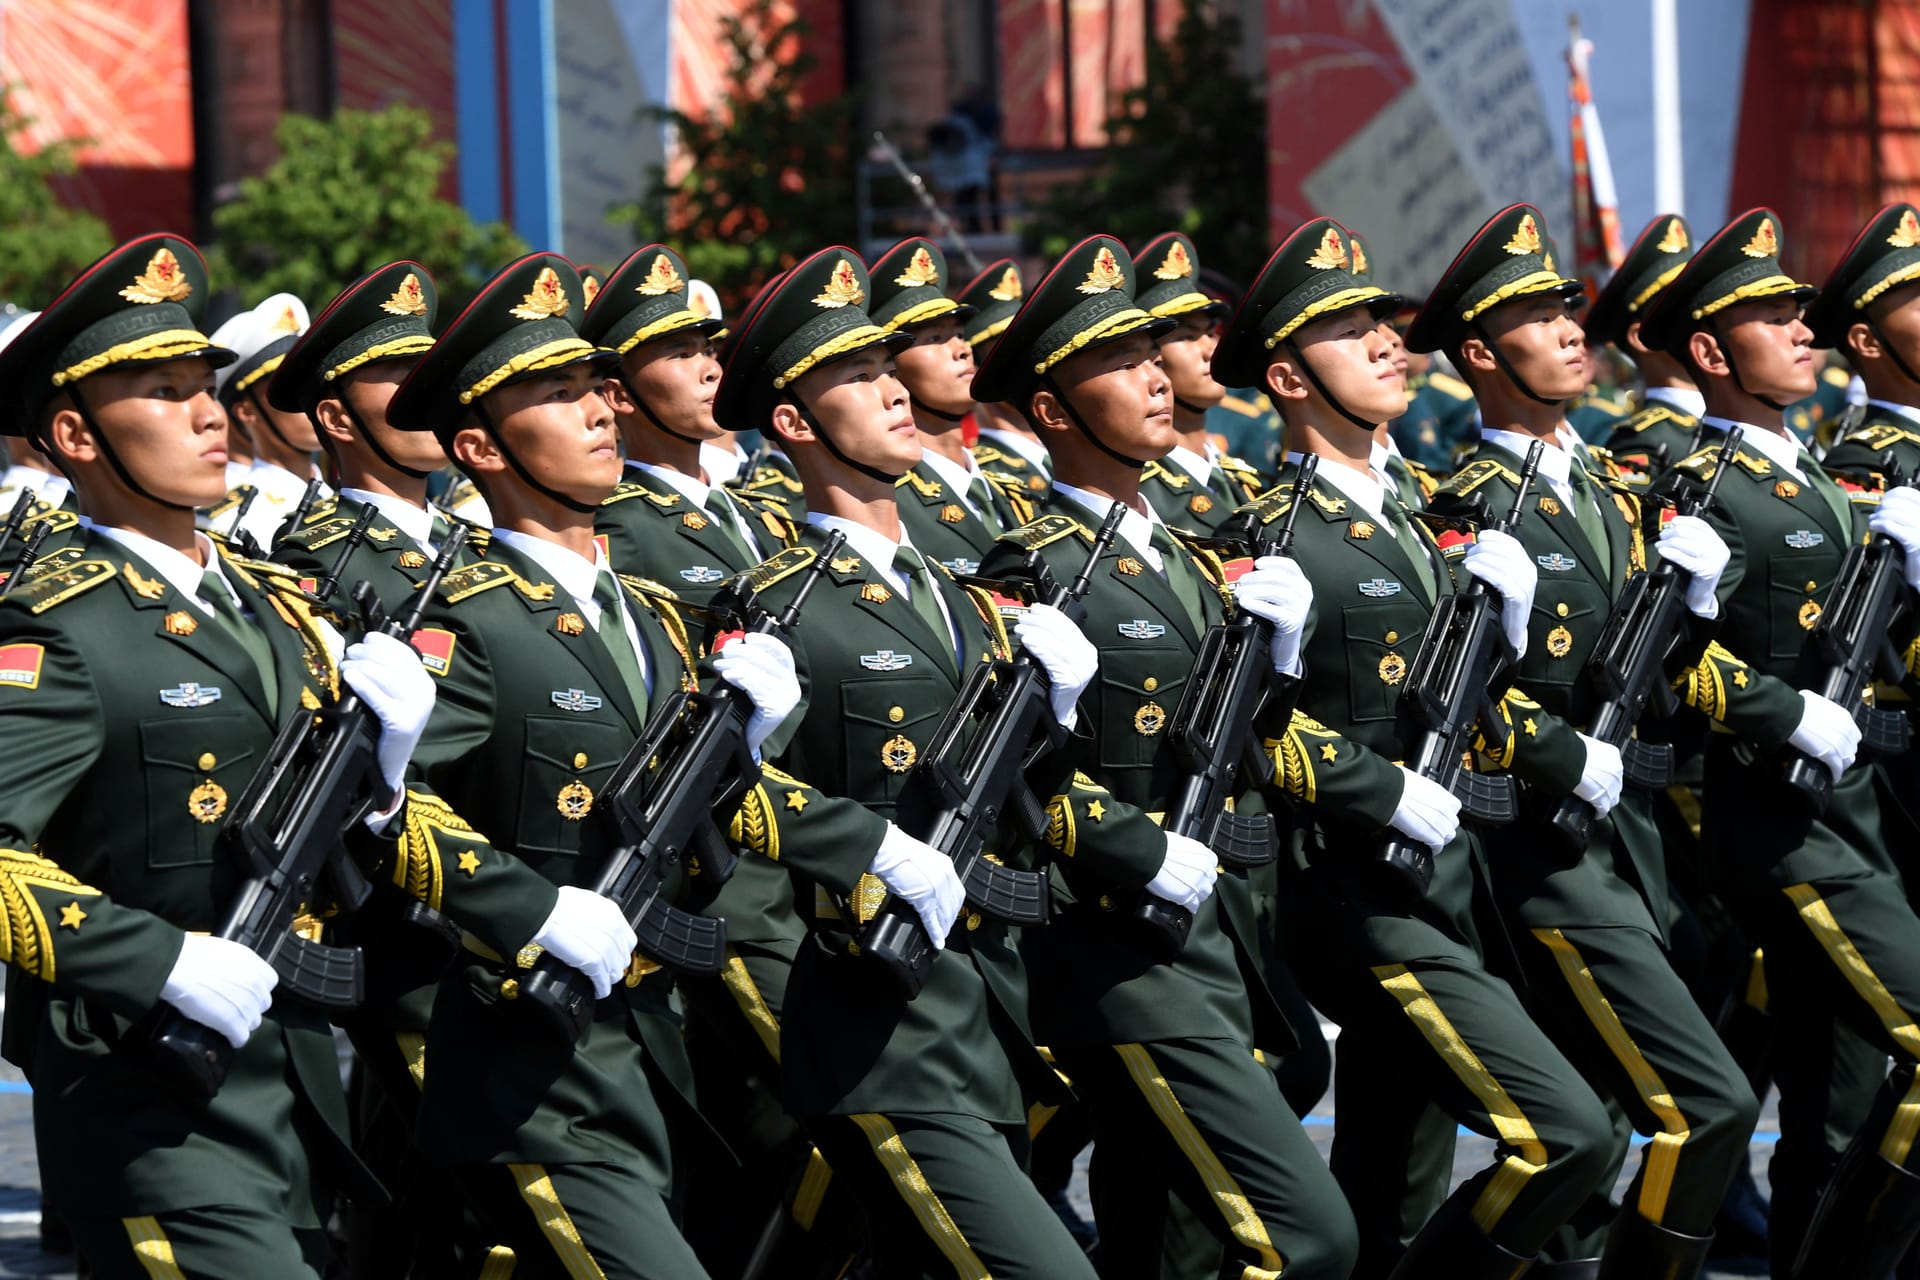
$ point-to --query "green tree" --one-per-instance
(348, 195)
(768, 176)
(43, 244)
(1186, 151)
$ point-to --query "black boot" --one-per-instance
(1638, 1250)
(1453, 1247)
(1867, 1219)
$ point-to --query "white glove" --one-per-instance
(221, 985)
(1826, 732)
(1277, 589)
(922, 877)
(1064, 653)
(1428, 813)
(1691, 544)
(1499, 560)
(1186, 876)
(1898, 517)
(761, 667)
(1602, 776)
(587, 932)
(387, 675)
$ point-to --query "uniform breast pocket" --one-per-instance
(1566, 622)
(1381, 640)
(1140, 690)
(1797, 588)
(568, 759)
(887, 721)
(194, 766)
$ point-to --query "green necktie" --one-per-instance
(438, 533)
(982, 498)
(227, 616)
(1586, 507)
(614, 635)
(1180, 576)
(1401, 479)
(920, 594)
(724, 514)
(1409, 540)
(1831, 493)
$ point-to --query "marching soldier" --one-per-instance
(666, 520)
(1817, 891)
(1591, 927)
(1012, 456)
(112, 909)
(1411, 484)
(920, 1107)
(547, 663)
(283, 443)
(1428, 1036)
(1195, 486)
(1163, 1051)
(1667, 422)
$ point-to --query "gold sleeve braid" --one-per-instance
(754, 826)
(990, 614)
(1704, 686)
(1502, 757)
(1293, 754)
(26, 940)
(1063, 823)
(418, 867)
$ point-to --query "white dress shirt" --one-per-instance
(577, 576)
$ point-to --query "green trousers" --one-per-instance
(214, 1242)
(577, 1222)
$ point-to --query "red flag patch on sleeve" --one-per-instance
(1237, 568)
(1454, 541)
(726, 638)
(20, 665)
(435, 648)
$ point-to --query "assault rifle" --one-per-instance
(1851, 641)
(324, 588)
(242, 540)
(664, 815)
(1212, 734)
(308, 496)
(29, 553)
(969, 788)
(321, 776)
(1450, 689)
(17, 518)
(1628, 668)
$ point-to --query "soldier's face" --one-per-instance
(678, 377)
(368, 391)
(560, 428)
(1121, 391)
(1771, 347)
(1186, 353)
(162, 422)
(1353, 360)
(861, 403)
(1543, 343)
(1897, 317)
(1396, 345)
(938, 368)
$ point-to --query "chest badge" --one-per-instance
(1786, 489)
(1809, 615)
(1150, 719)
(1554, 562)
(701, 574)
(1393, 669)
(886, 660)
(1559, 642)
(207, 802)
(575, 700)
(575, 801)
(898, 753)
(1804, 539)
(187, 694)
(1141, 629)
(1199, 504)
(1379, 588)
(960, 566)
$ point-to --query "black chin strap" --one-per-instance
(1513, 374)
(1189, 406)
(941, 414)
(820, 433)
(571, 504)
(1726, 353)
(1325, 394)
(113, 458)
(646, 410)
(261, 409)
(1892, 351)
(359, 425)
(1047, 381)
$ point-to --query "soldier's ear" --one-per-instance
(1864, 342)
(331, 418)
(64, 433)
(1634, 346)
(789, 424)
(1475, 356)
(475, 451)
(1045, 412)
(1282, 380)
(1704, 353)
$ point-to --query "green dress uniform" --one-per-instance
(927, 1128)
(1428, 1035)
(1651, 263)
(1167, 1055)
(1820, 894)
(119, 682)
(1590, 931)
(1440, 416)
(1247, 427)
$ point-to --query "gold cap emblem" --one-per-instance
(1178, 264)
(1675, 240)
(408, 300)
(662, 278)
(920, 270)
(1331, 253)
(842, 289)
(546, 298)
(1009, 289)
(1105, 275)
(697, 303)
(1907, 234)
(162, 281)
(286, 321)
(1359, 259)
(589, 289)
(1526, 237)
(1765, 242)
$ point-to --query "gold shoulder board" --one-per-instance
(474, 579)
(40, 594)
(1045, 530)
(782, 564)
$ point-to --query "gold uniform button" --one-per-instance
(896, 714)
(510, 989)
(1393, 637)
(207, 762)
(1106, 903)
(580, 760)
(973, 921)
(1150, 684)
(1561, 608)
(1812, 586)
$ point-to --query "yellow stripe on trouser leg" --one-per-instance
(920, 1196)
(1897, 1144)
(1663, 1151)
(753, 1005)
(1514, 1128)
(152, 1248)
(499, 1264)
(1221, 1186)
(811, 1191)
(536, 1188)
